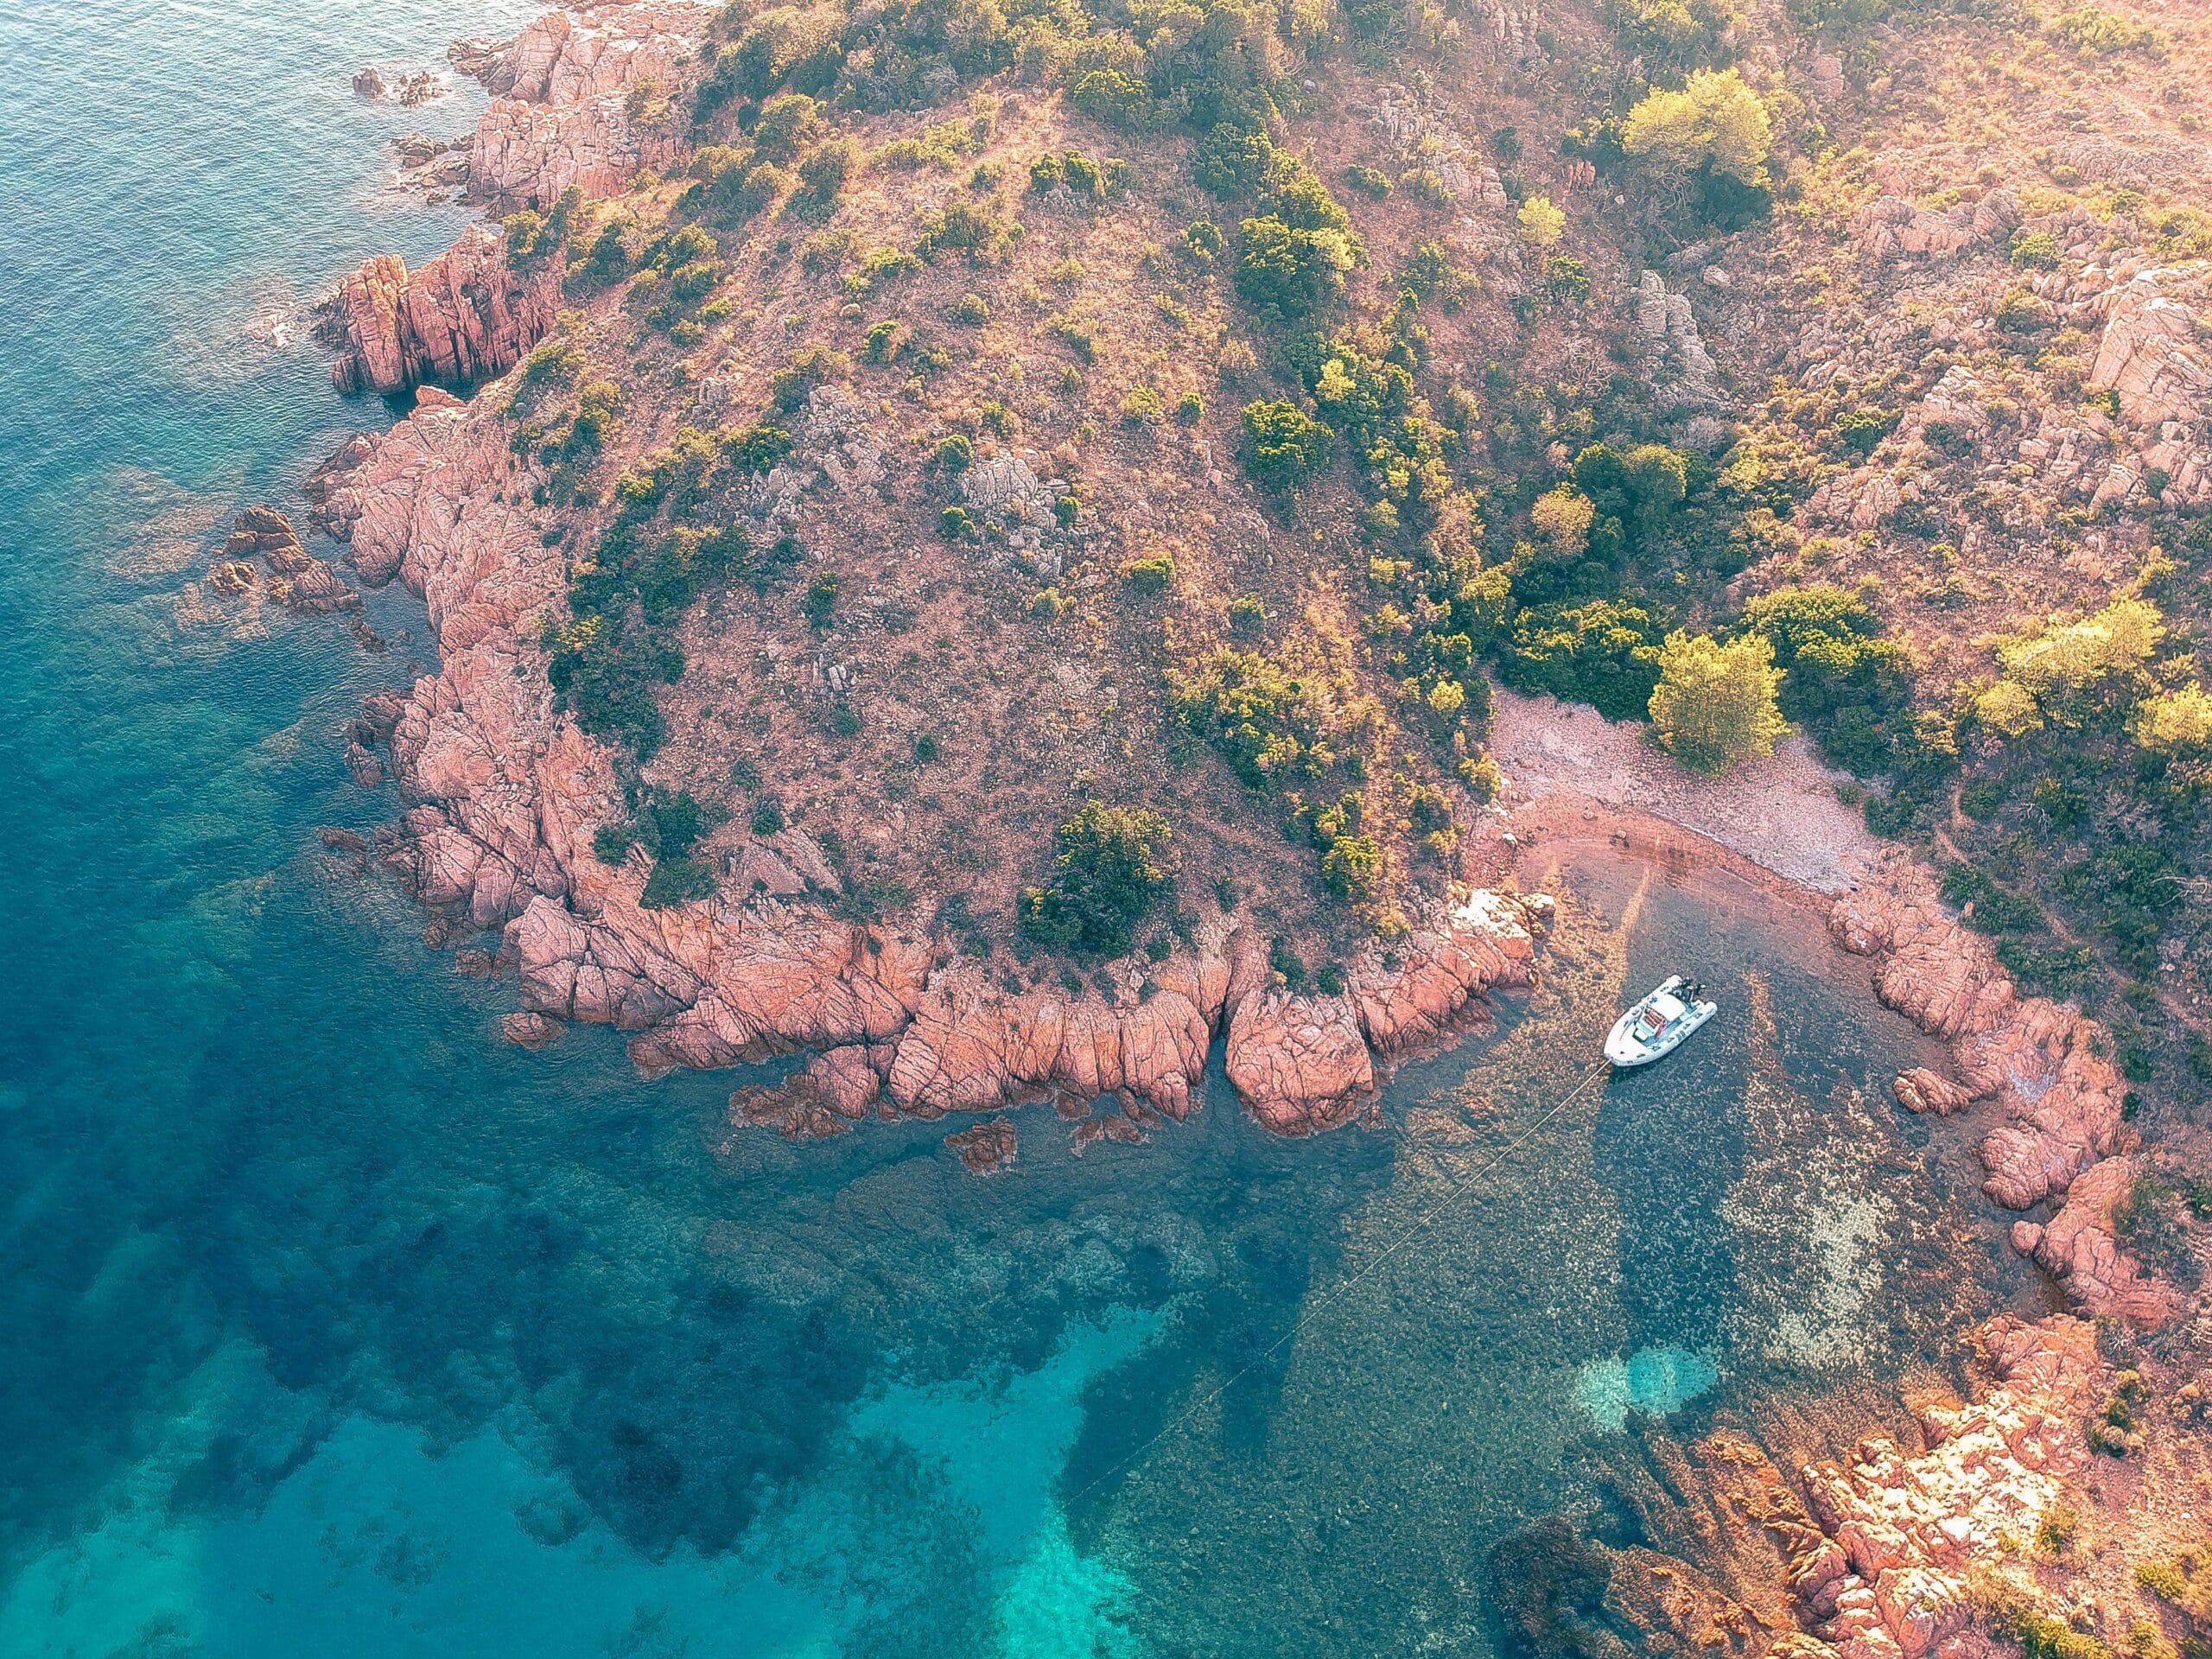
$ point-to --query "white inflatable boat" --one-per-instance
(1660, 1024)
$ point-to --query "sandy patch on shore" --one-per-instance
(1782, 814)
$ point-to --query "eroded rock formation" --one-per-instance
(467, 315)
(1886, 1573)
(2060, 1098)
(580, 100)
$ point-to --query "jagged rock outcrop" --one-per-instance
(467, 316)
(1426, 135)
(2149, 354)
(530, 153)
(582, 101)
(561, 57)
(1923, 1091)
(333, 501)
(1891, 227)
(1901, 1533)
(1303, 1063)
(1680, 371)
(503, 794)
(2060, 1098)
(404, 86)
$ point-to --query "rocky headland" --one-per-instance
(505, 794)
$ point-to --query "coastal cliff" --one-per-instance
(583, 103)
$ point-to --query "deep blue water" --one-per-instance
(332, 1326)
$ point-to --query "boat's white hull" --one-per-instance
(1625, 1048)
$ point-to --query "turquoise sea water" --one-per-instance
(333, 1326)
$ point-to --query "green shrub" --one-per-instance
(1283, 447)
(2093, 32)
(756, 449)
(1268, 721)
(1115, 863)
(1353, 867)
(675, 881)
(1368, 180)
(1603, 652)
(1118, 100)
(1150, 576)
(1843, 682)
(883, 340)
(953, 453)
(2035, 250)
(824, 169)
(1289, 272)
(608, 261)
(1190, 409)
(1864, 428)
(1079, 334)
(820, 601)
(786, 124)
(973, 309)
(1143, 405)
(1426, 185)
(1713, 121)
(1429, 273)
(2056, 1531)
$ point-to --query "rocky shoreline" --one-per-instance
(504, 794)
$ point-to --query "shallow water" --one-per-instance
(335, 1327)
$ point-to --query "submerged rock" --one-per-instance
(988, 1148)
(290, 574)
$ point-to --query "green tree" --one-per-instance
(1114, 862)
(1844, 683)
(1715, 702)
(1541, 224)
(1715, 118)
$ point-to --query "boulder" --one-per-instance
(1923, 1091)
